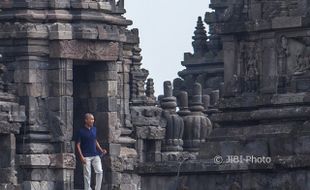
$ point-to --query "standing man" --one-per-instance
(88, 146)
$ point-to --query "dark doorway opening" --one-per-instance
(80, 107)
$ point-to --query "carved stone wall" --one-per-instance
(259, 108)
(66, 58)
(244, 92)
(12, 118)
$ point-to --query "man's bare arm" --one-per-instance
(104, 151)
(82, 158)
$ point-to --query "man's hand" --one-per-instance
(83, 160)
(104, 151)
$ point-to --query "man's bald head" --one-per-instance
(88, 115)
(89, 119)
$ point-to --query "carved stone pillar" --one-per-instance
(150, 90)
(183, 104)
(174, 123)
(196, 125)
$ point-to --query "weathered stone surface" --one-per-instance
(150, 132)
(32, 185)
(72, 49)
(42, 160)
(103, 88)
(8, 175)
(145, 116)
(174, 123)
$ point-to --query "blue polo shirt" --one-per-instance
(87, 138)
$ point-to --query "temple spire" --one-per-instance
(200, 38)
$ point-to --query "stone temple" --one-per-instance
(237, 118)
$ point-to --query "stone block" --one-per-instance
(281, 146)
(105, 76)
(93, 5)
(114, 177)
(62, 103)
(79, 5)
(32, 89)
(287, 22)
(103, 89)
(35, 185)
(83, 32)
(35, 148)
(302, 145)
(150, 132)
(106, 66)
(105, 104)
(114, 149)
(61, 88)
(17, 113)
(60, 161)
(7, 128)
(145, 116)
(26, 76)
(37, 174)
(59, 4)
(82, 50)
(61, 124)
(61, 75)
(128, 187)
(108, 32)
(60, 64)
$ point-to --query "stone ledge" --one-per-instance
(258, 25)
(60, 161)
(289, 22)
(63, 15)
(296, 112)
(208, 166)
(62, 4)
(252, 101)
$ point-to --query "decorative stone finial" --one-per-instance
(196, 125)
(167, 89)
(150, 89)
(200, 38)
(196, 99)
(183, 103)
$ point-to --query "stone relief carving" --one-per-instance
(283, 53)
(249, 58)
(73, 49)
(302, 57)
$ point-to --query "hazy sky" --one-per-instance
(166, 28)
